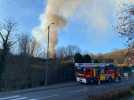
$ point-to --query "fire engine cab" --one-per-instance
(96, 73)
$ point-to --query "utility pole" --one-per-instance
(48, 43)
(47, 60)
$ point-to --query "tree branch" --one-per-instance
(2, 36)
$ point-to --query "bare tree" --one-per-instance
(72, 50)
(32, 47)
(125, 28)
(27, 45)
(69, 51)
(23, 40)
(40, 52)
(6, 31)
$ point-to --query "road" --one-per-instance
(73, 91)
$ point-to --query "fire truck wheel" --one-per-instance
(118, 79)
(99, 82)
(110, 79)
(96, 82)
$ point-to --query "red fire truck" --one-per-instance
(96, 73)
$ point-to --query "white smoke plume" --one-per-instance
(59, 12)
(131, 1)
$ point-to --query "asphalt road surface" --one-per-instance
(69, 91)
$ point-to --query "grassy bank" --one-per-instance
(118, 94)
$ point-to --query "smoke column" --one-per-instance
(59, 12)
